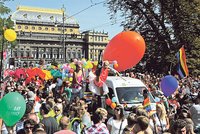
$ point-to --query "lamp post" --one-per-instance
(18, 46)
(63, 34)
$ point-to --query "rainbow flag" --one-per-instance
(147, 104)
(149, 107)
(182, 66)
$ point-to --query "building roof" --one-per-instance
(25, 13)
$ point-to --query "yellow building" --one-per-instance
(51, 34)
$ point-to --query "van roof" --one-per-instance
(124, 81)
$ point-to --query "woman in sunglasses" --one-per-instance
(28, 126)
(118, 122)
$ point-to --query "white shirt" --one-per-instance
(115, 124)
(195, 113)
(52, 86)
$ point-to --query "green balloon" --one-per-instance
(12, 108)
(0, 110)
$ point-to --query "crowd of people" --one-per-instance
(57, 106)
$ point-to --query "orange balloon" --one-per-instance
(127, 48)
(113, 105)
(116, 65)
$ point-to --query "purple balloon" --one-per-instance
(169, 84)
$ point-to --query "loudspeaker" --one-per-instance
(12, 61)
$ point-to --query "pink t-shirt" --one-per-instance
(65, 132)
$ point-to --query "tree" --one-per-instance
(3, 9)
(5, 23)
(166, 25)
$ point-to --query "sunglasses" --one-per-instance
(117, 109)
(28, 127)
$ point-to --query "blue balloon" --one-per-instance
(169, 84)
(59, 82)
(66, 70)
(114, 99)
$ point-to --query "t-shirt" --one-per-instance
(195, 113)
(69, 92)
(115, 124)
(21, 131)
(65, 132)
(86, 120)
(50, 124)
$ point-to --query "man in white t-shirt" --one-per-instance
(195, 112)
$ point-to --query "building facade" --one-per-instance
(51, 34)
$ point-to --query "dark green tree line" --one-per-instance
(166, 25)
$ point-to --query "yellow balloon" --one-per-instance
(10, 35)
(86, 67)
(95, 63)
(90, 66)
(70, 79)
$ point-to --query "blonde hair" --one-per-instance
(101, 111)
(143, 122)
(163, 111)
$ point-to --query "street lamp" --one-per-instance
(18, 47)
(63, 33)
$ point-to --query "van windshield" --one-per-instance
(131, 95)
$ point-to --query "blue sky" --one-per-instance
(96, 17)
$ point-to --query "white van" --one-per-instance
(128, 91)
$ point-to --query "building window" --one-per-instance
(46, 28)
(74, 55)
(26, 27)
(79, 55)
(39, 28)
(33, 28)
(59, 29)
(27, 54)
(15, 54)
(22, 54)
(19, 27)
(44, 56)
(71, 30)
(69, 55)
(52, 29)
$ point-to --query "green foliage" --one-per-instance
(166, 25)
(3, 9)
(193, 59)
(5, 23)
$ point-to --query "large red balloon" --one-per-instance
(127, 48)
